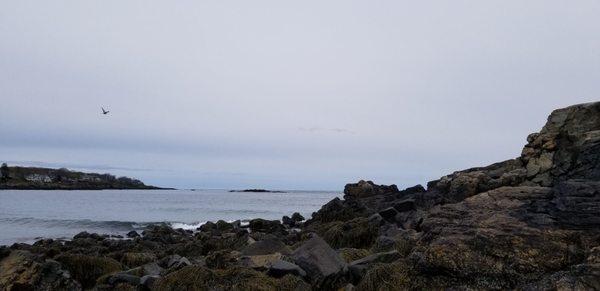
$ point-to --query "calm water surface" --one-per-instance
(27, 215)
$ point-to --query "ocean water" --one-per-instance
(28, 215)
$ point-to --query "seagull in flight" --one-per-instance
(104, 111)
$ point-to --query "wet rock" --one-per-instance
(133, 234)
(266, 226)
(389, 214)
(322, 264)
(279, 268)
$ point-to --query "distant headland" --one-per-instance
(33, 178)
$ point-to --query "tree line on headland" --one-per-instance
(35, 178)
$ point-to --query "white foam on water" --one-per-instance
(186, 226)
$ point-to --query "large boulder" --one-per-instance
(364, 189)
(322, 264)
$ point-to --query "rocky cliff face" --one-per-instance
(530, 223)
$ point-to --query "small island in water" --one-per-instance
(257, 191)
(34, 178)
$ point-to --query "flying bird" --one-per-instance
(104, 111)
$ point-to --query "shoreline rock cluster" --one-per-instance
(530, 223)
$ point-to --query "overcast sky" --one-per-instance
(287, 94)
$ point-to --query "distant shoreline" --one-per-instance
(35, 178)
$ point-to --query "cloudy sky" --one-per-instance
(287, 94)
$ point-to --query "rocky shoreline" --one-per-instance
(530, 223)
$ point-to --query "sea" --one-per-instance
(26, 216)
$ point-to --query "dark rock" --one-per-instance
(297, 217)
(208, 226)
(577, 204)
(339, 210)
(389, 214)
(286, 220)
(123, 278)
(83, 234)
(280, 268)
(148, 281)
(266, 226)
(364, 189)
(322, 264)
(133, 234)
(224, 226)
(405, 205)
